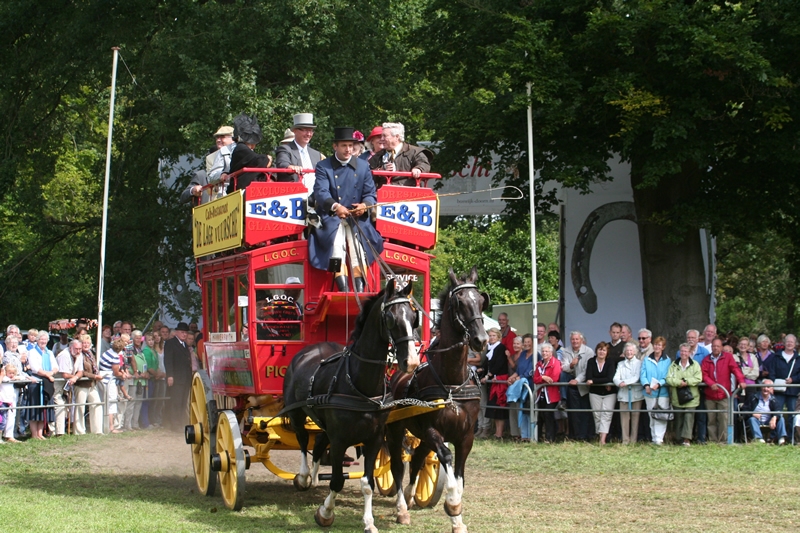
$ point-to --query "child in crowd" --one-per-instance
(123, 366)
(8, 401)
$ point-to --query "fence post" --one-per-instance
(106, 429)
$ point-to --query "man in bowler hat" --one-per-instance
(178, 366)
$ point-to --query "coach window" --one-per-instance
(209, 319)
(279, 313)
(219, 307)
(280, 274)
(241, 315)
(230, 302)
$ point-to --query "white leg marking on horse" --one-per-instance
(369, 521)
(411, 489)
(315, 474)
(326, 509)
(457, 525)
(401, 502)
(303, 480)
(413, 355)
(451, 487)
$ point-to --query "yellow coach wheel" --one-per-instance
(383, 473)
(430, 484)
(230, 460)
(201, 433)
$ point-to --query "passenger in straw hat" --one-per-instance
(288, 136)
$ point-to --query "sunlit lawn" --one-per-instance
(73, 484)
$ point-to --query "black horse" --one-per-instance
(446, 375)
(344, 391)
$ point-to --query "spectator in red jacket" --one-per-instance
(507, 334)
(548, 370)
(717, 369)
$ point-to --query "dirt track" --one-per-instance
(157, 452)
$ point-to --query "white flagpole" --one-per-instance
(105, 201)
(531, 171)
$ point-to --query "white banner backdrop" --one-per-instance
(603, 280)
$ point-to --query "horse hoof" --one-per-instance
(322, 521)
(452, 510)
(300, 482)
(370, 529)
(460, 529)
(404, 518)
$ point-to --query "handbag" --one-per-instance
(684, 395)
(776, 383)
(660, 414)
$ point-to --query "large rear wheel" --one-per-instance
(430, 484)
(201, 433)
(383, 473)
(230, 460)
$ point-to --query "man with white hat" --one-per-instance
(398, 155)
(298, 155)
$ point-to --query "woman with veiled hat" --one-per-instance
(247, 134)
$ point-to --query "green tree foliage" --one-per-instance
(187, 67)
(700, 97)
(502, 252)
(757, 287)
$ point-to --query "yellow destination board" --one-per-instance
(217, 226)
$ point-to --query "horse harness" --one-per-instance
(469, 389)
(358, 401)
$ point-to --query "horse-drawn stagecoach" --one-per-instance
(264, 306)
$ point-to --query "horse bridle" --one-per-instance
(389, 322)
(454, 312)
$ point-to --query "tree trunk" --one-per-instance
(673, 275)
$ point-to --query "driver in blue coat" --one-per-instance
(344, 183)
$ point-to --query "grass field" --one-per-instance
(143, 482)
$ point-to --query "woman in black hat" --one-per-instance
(247, 134)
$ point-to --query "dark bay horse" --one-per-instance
(344, 391)
(445, 376)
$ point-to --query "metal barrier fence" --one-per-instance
(58, 406)
(535, 410)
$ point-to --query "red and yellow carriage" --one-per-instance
(263, 303)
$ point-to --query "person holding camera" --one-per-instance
(683, 377)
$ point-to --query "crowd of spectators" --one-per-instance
(52, 385)
(630, 390)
